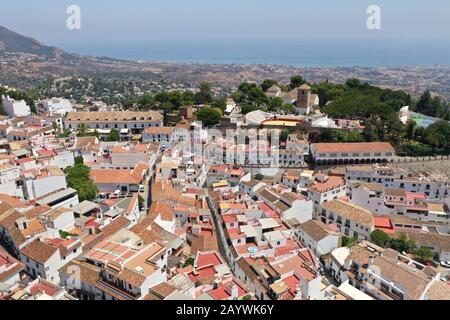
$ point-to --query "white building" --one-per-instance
(44, 260)
(135, 122)
(54, 106)
(39, 183)
(15, 108)
(331, 154)
(318, 236)
(374, 173)
(352, 221)
(159, 135)
(326, 188)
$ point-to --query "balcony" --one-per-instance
(114, 291)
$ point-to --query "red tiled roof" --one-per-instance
(208, 259)
(114, 177)
(333, 182)
(43, 287)
(354, 147)
(229, 218)
(221, 293)
(382, 222)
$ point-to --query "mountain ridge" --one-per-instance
(11, 41)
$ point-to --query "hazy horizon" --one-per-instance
(290, 32)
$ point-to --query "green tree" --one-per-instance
(438, 135)
(380, 238)
(209, 116)
(349, 242)
(402, 244)
(411, 126)
(79, 160)
(267, 84)
(297, 81)
(250, 93)
(113, 136)
(275, 104)
(247, 108)
(189, 262)
(259, 177)
(423, 254)
(146, 101)
(204, 96)
(424, 104)
(141, 201)
(220, 104)
(82, 130)
(328, 92)
(78, 178)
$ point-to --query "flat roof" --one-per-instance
(85, 207)
(267, 223)
(353, 293)
(56, 196)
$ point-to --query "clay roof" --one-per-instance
(114, 116)
(360, 147)
(39, 251)
(13, 202)
(413, 281)
(159, 130)
(114, 176)
(350, 211)
(88, 273)
(316, 229)
(162, 290)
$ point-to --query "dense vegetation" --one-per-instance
(173, 100)
(402, 244)
(433, 107)
(113, 136)
(209, 116)
(78, 178)
(378, 108)
(375, 107)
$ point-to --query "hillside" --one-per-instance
(11, 41)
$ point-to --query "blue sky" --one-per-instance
(173, 20)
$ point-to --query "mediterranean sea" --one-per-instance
(295, 53)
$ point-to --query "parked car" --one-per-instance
(445, 264)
